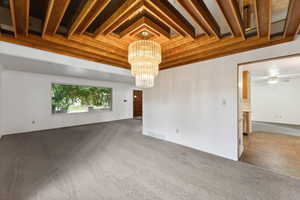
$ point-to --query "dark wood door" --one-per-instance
(137, 103)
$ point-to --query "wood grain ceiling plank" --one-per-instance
(108, 39)
(166, 13)
(55, 13)
(292, 25)
(176, 42)
(136, 25)
(19, 10)
(198, 50)
(154, 35)
(157, 28)
(198, 11)
(83, 47)
(263, 10)
(89, 41)
(82, 12)
(92, 15)
(188, 45)
(47, 17)
(128, 8)
(136, 32)
(180, 48)
(230, 10)
(244, 45)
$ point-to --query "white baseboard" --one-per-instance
(287, 129)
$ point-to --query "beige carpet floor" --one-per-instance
(114, 161)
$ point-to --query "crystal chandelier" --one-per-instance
(144, 57)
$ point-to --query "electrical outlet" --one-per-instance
(224, 102)
(177, 131)
(33, 122)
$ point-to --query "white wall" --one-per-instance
(27, 98)
(200, 101)
(276, 103)
(1, 68)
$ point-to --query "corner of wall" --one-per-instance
(1, 69)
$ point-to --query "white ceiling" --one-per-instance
(286, 66)
(37, 66)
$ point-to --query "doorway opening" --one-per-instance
(137, 104)
(269, 114)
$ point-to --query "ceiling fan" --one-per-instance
(276, 78)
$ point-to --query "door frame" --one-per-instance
(239, 66)
(133, 101)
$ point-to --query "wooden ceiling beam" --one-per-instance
(221, 51)
(92, 15)
(263, 10)
(19, 10)
(55, 13)
(198, 50)
(82, 12)
(178, 41)
(109, 47)
(135, 33)
(144, 21)
(161, 10)
(159, 18)
(186, 46)
(128, 9)
(83, 47)
(109, 39)
(166, 13)
(201, 15)
(292, 24)
(231, 12)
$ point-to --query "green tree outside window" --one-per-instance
(75, 98)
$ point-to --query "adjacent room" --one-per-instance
(149, 99)
(271, 123)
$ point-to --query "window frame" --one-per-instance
(83, 85)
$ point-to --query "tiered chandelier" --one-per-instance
(144, 57)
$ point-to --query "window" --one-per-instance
(76, 98)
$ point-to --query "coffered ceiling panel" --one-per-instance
(188, 30)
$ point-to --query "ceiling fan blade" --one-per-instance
(289, 75)
(260, 78)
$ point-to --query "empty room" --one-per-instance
(269, 111)
(149, 99)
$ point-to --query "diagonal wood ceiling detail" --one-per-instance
(164, 11)
(82, 12)
(91, 15)
(101, 30)
(20, 16)
(292, 24)
(263, 16)
(55, 13)
(149, 25)
(233, 16)
(200, 13)
(128, 9)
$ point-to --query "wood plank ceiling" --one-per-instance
(100, 30)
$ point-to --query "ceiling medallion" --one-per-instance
(144, 57)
